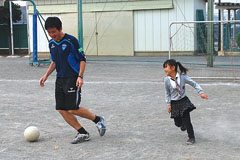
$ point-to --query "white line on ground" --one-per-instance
(220, 84)
(121, 82)
(3, 150)
(91, 82)
(17, 80)
(13, 56)
(216, 78)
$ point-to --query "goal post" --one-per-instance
(188, 38)
(191, 30)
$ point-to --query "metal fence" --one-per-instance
(19, 36)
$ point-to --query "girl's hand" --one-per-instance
(204, 96)
(169, 109)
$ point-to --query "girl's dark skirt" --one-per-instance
(179, 107)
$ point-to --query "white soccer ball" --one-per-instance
(31, 134)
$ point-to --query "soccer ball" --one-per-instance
(31, 134)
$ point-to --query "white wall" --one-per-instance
(151, 27)
(41, 38)
(49, 2)
(1, 2)
(115, 33)
(149, 30)
(200, 4)
(145, 30)
(114, 37)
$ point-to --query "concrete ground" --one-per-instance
(129, 93)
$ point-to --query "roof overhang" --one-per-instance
(227, 6)
(106, 6)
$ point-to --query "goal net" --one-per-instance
(191, 39)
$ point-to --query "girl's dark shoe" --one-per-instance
(183, 128)
(190, 141)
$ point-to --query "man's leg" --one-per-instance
(83, 112)
(70, 119)
(65, 95)
(82, 135)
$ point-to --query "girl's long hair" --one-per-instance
(173, 62)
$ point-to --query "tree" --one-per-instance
(5, 17)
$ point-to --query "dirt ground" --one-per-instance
(129, 93)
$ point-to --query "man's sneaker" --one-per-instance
(183, 128)
(101, 126)
(81, 138)
(190, 141)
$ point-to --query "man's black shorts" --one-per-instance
(67, 95)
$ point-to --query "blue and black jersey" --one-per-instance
(67, 55)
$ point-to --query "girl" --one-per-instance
(178, 103)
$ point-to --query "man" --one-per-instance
(69, 61)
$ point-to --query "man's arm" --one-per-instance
(79, 82)
(51, 68)
(82, 68)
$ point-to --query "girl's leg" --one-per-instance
(187, 123)
(178, 121)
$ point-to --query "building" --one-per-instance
(1, 2)
(119, 27)
(20, 34)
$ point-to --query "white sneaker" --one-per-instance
(81, 138)
(101, 126)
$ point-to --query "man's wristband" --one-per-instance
(80, 77)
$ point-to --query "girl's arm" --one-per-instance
(195, 85)
(204, 96)
(169, 109)
(167, 92)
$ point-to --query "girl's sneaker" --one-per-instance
(190, 141)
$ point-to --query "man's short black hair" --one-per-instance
(53, 22)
